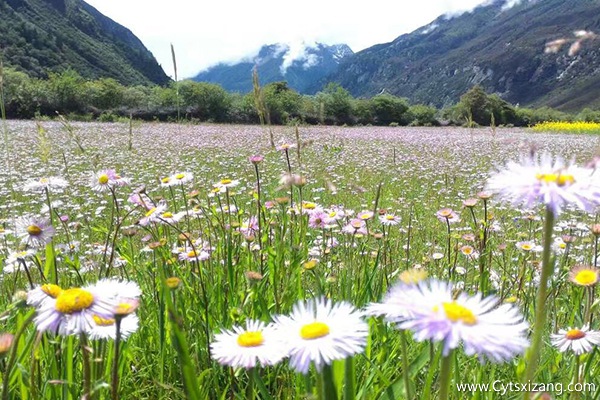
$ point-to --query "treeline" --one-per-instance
(105, 99)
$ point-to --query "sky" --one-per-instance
(207, 32)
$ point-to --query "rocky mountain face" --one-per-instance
(300, 65)
(499, 48)
(42, 36)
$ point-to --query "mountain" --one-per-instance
(499, 48)
(300, 66)
(41, 36)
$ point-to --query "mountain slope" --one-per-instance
(502, 50)
(300, 67)
(41, 36)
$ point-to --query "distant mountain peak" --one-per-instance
(301, 64)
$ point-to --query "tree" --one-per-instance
(389, 109)
(283, 102)
(206, 101)
(66, 90)
(337, 104)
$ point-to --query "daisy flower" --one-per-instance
(103, 181)
(355, 227)
(244, 347)
(11, 263)
(249, 226)
(550, 182)
(321, 332)
(105, 328)
(389, 220)
(448, 215)
(483, 325)
(225, 184)
(365, 215)
(317, 220)
(34, 232)
(191, 255)
(583, 275)
(47, 183)
(182, 177)
(579, 340)
(154, 214)
(72, 311)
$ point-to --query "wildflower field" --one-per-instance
(165, 261)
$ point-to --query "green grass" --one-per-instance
(420, 172)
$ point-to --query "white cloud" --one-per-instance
(208, 32)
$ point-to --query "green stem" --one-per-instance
(403, 340)
(576, 376)
(87, 371)
(349, 389)
(329, 391)
(540, 307)
(445, 373)
(250, 388)
(115, 366)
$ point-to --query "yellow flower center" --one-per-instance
(314, 330)
(125, 309)
(389, 217)
(309, 206)
(575, 334)
(73, 300)
(191, 254)
(586, 277)
(51, 290)
(180, 176)
(225, 181)
(310, 264)
(34, 230)
(412, 276)
(467, 250)
(455, 313)
(173, 282)
(103, 321)
(150, 211)
(103, 179)
(558, 178)
(526, 246)
(167, 215)
(445, 212)
(250, 339)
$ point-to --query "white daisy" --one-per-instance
(244, 347)
(321, 332)
(105, 328)
(73, 310)
(579, 340)
(484, 326)
(546, 181)
(154, 214)
(46, 183)
(34, 232)
(182, 177)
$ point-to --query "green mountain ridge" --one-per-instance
(500, 49)
(43, 36)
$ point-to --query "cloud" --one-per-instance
(298, 51)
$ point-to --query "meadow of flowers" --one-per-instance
(164, 261)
